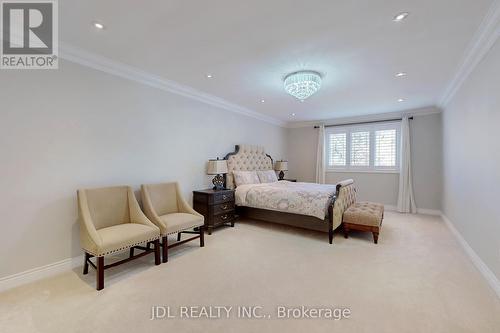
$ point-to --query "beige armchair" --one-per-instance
(111, 221)
(165, 207)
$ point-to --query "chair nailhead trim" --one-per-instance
(177, 231)
(120, 249)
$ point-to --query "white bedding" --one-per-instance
(298, 198)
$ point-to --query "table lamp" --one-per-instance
(281, 166)
(218, 168)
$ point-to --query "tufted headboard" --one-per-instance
(246, 158)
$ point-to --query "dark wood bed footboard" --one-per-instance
(294, 220)
(330, 214)
(330, 223)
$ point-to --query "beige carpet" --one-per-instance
(417, 279)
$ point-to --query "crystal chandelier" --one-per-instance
(302, 84)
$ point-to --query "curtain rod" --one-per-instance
(365, 122)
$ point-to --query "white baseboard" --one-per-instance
(480, 265)
(38, 273)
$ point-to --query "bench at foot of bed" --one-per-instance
(364, 216)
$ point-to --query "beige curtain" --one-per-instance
(406, 198)
(320, 156)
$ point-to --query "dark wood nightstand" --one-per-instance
(290, 180)
(216, 206)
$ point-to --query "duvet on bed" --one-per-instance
(298, 198)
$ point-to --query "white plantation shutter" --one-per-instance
(385, 148)
(372, 147)
(360, 148)
(337, 149)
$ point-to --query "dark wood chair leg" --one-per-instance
(86, 264)
(157, 252)
(131, 254)
(100, 273)
(375, 237)
(179, 237)
(164, 244)
(202, 237)
(346, 232)
(210, 230)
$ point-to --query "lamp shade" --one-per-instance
(281, 166)
(216, 167)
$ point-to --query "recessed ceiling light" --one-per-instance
(262, 101)
(293, 114)
(400, 17)
(99, 25)
(401, 100)
(401, 74)
(209, 76)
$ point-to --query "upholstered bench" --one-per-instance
(363, 216)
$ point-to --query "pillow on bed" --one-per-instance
(245, 177)
(268, 176)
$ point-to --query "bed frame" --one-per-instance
(250, 158)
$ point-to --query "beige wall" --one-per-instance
(380, 187)
(64, 129)
(471, 142)
(427, 160)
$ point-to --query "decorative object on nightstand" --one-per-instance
(281, 166)
(217, 206)
(218, 168)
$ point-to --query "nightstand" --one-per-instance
(216, 206)
(290, 180)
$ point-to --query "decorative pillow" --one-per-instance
(268, 176)
(245, 177)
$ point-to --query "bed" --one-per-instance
(305, 205)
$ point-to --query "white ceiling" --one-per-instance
(249, 46)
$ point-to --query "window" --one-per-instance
(337, 155)
(360, 149)
(373, 147)
(385, 148)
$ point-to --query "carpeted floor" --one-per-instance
(417, 279)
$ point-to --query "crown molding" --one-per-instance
(379, 116)
(106, 65)
(484, 38)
